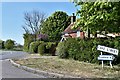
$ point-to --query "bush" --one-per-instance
(61, 50)
(86, 50)
(51, 47)
(34, 46)
(41, 48)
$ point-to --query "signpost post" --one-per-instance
(109, 58)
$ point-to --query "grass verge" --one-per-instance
(71, 67)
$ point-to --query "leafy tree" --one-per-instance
(9, 44)
(55, 24)
(33, 22)
(99, 16)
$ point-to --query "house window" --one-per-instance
(78, 33)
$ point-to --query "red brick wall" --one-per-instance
(73, 35)
(82, 35)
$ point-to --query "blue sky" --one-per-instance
(13, 15)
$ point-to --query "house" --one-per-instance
(113, 35)
(69, 32)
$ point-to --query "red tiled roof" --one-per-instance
(69, 30)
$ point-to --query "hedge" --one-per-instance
(28, 38)
(41, 48)
(62, 50)
(48, 47)
(86, 50)
(34, 46)
(51, 47)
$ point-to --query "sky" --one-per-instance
(13, 16)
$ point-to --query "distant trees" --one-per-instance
(55, 24)
(2, 44)
(9, 44)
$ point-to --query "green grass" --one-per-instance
(71, 67)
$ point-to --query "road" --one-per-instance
(9, 71)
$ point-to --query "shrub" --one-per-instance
(34, 46)
(61, 50)
(51, 47)
(41, 48)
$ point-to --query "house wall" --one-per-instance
(82, 35)
(74, 35)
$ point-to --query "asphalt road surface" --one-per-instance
(9, 71)
(12, 54)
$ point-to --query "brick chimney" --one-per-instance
(73, 18)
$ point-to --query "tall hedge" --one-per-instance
(28, 38)
(51, 47)
(34, 46)
(41, 48)
(86, 50)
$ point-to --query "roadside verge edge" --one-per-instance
(40, 72)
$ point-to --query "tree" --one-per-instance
(9, 44)
(33, 22)
(99, 16)
(55, 24)
(2, 44)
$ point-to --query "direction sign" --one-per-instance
(106, 57)
(107, 49)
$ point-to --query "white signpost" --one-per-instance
(107, 49)
(107, 57)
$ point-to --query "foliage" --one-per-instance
(99, 16)
(62, 50)
(2, 44)
(43, 37)
(41, 48)
(55, 24)
(34, 46)
(9, 44)
(86, 50)
(51, 47)
(18, 47)
(28, 38)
